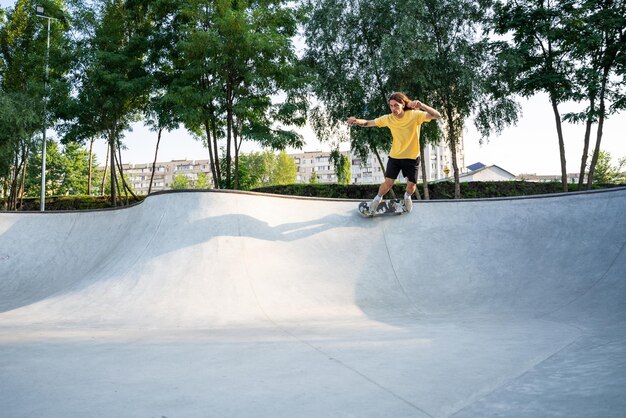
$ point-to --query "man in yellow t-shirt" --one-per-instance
(404, 122)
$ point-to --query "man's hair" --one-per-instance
(400, 98)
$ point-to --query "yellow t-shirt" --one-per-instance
(405, 132)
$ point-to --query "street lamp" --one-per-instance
(39, 12)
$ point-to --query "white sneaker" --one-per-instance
(408, 204)
(373, 207)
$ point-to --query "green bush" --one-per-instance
(55, 203)
(442, 190)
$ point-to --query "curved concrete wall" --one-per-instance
(455, 309)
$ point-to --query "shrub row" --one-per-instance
(441, 190)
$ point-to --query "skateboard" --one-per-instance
(385, 207)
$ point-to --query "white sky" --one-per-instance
(529, 147)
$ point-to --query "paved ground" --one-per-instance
(238, 305)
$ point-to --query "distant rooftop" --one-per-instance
(476, 166)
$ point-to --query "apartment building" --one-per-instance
(437, 160)
(164, 173)
(318, 162)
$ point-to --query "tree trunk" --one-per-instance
(423, 169)
(583, 161)
(112, 168)
(229, 130)
(15, 170)
(237, 143)
(601, 116)
(452, 141)
(104, 174)
(125, 185)
(218, 169)
(156, 153)
(211, 158)
(559, 131)
(90, 167)
(455, 167)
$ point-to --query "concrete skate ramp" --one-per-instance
(214, 304)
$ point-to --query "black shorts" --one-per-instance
(409, 168)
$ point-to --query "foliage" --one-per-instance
(538, 53)
(345, 48)
(285, 170)
(181, 182)
(58, 203)
(362, 52)
(67, 170)
(342, 167)
(230, 60)
(113, 83)
(202, 182)
(596, 34)
(606, 172)
(260, 165)
(23, 91)
(439, 190)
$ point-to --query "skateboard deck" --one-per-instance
(385, 207)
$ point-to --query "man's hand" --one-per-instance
(432, 113)
(416, 104)
(351, 120)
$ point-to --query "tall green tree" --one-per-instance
(113, 84)
(260, 166)
(285, 170)
(342, 166)
(544, 64)
(180, 182)
(462, 84)
(596, 34)
(67, 170)
(606, 172)
(344, 41)
(232, 62)
(435, 52)
(23, 51)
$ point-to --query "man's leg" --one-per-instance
(385, 186)
(408, 194)
(410, 188)
(382, 190)
(410, 169)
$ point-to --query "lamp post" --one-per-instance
(39, 12)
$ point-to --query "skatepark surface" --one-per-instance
(217, 304)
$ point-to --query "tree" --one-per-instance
(180, 182)
(342, 167)
(355, 51)
(542, 58)
(67, 170)
(113, 84)
(596, 34)
(232, 58)
(285, 170)
(202, 182)
(260, 166)
(345, 49)
(606, 173)
(23, 49)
